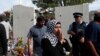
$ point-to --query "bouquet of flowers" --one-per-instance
(19, 47)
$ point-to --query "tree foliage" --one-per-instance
(54, 3)
(45, 4)
(75, 2)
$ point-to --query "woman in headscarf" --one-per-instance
(53, 43)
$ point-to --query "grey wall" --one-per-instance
(23, 20)
(65, 15)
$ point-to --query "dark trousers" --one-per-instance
(75, 49)
(78, 49)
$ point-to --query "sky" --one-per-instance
(95, 5)
(8, 4)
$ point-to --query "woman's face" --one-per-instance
(57, 28)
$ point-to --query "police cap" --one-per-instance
(78, 14)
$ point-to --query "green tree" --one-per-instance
(45, 4)
(75, 2)
(54, 3)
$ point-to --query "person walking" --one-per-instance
(36, 32)
(3, 39)
(92, 36)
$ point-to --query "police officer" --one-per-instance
(76, 30)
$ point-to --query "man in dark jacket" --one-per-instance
(3, 40)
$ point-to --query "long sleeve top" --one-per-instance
(49, 50)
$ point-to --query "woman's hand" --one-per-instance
(62, 41)
(60, 37)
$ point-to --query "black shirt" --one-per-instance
(3, 40)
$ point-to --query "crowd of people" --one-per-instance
(5, 33)
(48, 39)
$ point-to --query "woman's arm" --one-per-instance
(66, 45)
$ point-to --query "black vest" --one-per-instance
(76, 27)
(79, 29)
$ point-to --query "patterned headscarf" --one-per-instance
(50, 35)
(50, 26)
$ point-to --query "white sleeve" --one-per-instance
(10, 28)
